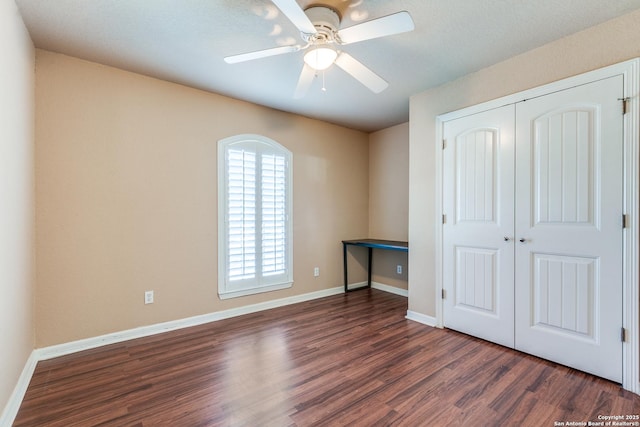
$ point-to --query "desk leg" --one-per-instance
(369, 267)
(344, 258)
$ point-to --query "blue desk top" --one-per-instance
(379, 244)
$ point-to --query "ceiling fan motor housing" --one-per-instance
(326, 21)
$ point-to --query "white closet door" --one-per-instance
(569, 184)
(478, 262)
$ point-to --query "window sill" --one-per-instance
(252, 291)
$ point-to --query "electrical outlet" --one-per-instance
(316, 272)
(148, 297)
(399, 269)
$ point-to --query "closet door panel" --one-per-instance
(569, 182)
(478, 205)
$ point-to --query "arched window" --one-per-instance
(254, 216)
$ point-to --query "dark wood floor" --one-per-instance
(344, 360)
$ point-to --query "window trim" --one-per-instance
(267, 146)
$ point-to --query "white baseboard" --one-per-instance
(15, 400)
(381, 287)
(357, 285)
(422, 318)
(390, 289)
(116, 337)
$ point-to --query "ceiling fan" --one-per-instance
(319, 28)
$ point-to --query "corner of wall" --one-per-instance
(17, 222)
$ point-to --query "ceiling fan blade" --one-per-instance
(296, 15)
(304, 82)
(397, 23)
(374, 82)
(260, 54)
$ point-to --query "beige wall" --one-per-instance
(389, 200)
(127, 186)
(16, 198)
(605, 44)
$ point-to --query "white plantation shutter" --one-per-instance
(254, 250)
(273, 215)
(241, 214)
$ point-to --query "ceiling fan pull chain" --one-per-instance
(324, 89)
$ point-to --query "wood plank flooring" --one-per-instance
(343, 360)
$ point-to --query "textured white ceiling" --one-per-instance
(185, 41)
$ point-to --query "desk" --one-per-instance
(370, 244)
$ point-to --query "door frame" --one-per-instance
(631, 188)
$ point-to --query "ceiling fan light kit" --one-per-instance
(320, 58)
(319, 29)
